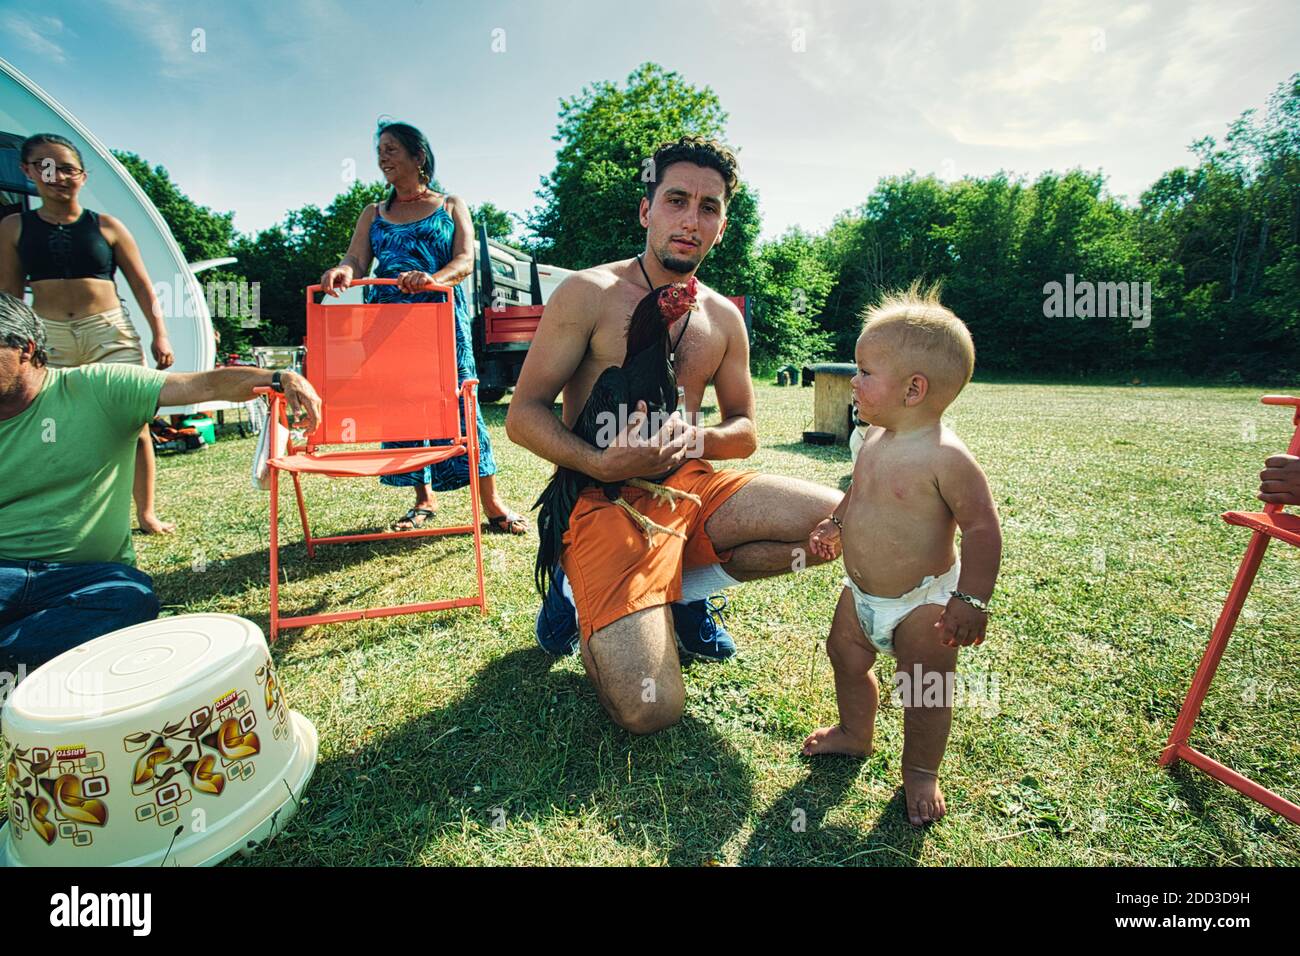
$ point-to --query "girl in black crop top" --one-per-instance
(57, 251)
(69, 256)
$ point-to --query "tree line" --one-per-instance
(1054, 275)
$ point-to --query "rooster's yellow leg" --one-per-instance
(648, 528)
(662, 493)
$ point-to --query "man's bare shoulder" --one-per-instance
(582, 290)
(590, 281)
(720, 309)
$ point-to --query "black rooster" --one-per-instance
(646, 375)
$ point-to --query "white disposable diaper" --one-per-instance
(879, 615)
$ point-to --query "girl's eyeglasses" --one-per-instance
(49, 172)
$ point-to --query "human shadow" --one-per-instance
(527, 747)
(795, 831)
(231, 575)
(180, 587)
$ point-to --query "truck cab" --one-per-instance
(506, 295)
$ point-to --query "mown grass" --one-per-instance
(451, 739)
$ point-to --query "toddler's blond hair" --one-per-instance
(926, 337)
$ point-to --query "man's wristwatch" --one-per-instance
(974, 602)
(276, 384)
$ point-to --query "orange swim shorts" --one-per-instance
(611, 569)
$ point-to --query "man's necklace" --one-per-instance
(672, 353)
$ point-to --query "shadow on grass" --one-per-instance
(1195, 786)
(794, 832)
(832, 454)
(527, 748)
(181, 587)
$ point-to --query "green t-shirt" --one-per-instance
(67, 464)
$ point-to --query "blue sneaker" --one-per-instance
(557, 620)
(699, 629)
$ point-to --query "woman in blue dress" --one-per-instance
(419, 235)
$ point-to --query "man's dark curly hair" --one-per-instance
(708, 153)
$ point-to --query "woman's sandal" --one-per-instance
(508, 523)
(415, 519)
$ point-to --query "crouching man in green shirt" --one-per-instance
(67, 463)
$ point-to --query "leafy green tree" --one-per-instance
(500, 224)
(894, 237)
(200, 232)
(791, 285)
(983, 241)
(1227, 234)
(607, 135)
(290, 256)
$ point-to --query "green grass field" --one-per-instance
(452, 739)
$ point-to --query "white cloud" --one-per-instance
(34, 33)
(1022, 75)
(162, 27)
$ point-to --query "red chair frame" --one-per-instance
(434, 406)
(1273, 522)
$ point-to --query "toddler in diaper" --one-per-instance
(906, 594)
(879, 616)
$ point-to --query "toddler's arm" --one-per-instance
(965, 490)
(826, 541)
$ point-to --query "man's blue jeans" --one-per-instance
(47, 608)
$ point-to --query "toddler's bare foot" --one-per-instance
(151, 524)
(833, 740)
(924, 798)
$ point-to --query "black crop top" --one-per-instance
(77, 250)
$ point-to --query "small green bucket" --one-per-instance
(206, 428)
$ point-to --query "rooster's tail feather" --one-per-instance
(556, 502)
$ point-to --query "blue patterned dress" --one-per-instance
(425, 246)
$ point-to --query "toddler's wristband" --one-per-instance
(974, 602)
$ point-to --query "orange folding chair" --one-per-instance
(1273, 522)
(384, 372)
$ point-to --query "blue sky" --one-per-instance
(824, 98)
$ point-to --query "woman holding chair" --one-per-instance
(419, 236)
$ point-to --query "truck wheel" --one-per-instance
(490, 393)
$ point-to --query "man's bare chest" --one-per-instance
(694, 344)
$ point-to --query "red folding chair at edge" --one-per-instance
(1273, 522)
(384, 372)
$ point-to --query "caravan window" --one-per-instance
(14, 186)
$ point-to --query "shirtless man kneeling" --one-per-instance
(632, 600)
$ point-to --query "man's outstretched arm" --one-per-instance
(735, 436)
(237, 385)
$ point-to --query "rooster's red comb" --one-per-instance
(677, 299)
